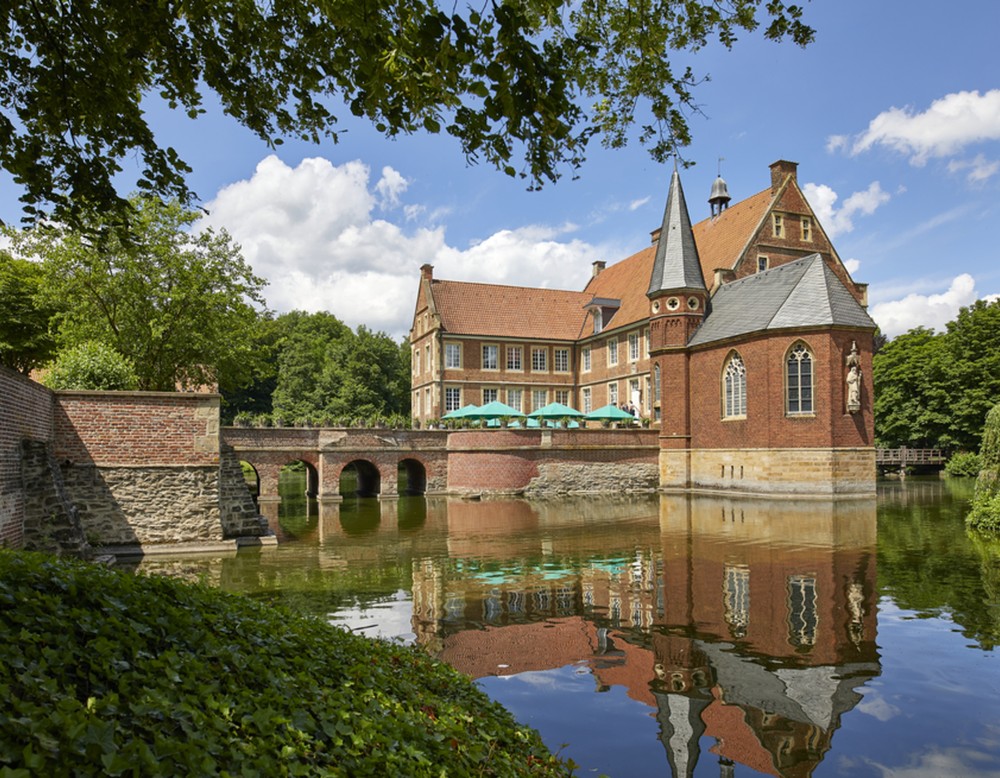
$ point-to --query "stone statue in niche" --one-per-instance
(853, 379)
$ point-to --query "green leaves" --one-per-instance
(536, 78)
(935, 389)
(145, 675)
(182, 309)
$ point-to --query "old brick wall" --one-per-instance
(146, 467)
(25, 415)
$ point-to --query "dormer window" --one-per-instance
(603, 310)
(761, 264)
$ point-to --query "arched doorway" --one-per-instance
(411, 478)
(360, 478)
(252, 478)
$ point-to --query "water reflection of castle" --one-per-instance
(748, 622)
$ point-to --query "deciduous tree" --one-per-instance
(182, 308)
(535, 78)
(25, 340)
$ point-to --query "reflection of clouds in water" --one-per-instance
(967, 762)
(390, 619)
(875, 705)
(564, 679)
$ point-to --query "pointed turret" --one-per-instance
(676, 267)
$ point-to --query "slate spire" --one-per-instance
(676, 266)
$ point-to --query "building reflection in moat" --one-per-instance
(750, 622)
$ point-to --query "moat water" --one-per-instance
(676, 636)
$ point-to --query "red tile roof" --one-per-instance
(509, 311)
(551, 314)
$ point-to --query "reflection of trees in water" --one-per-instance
(927, 562)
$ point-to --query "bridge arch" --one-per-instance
(411, 477)
(251, 477)
(360, 478)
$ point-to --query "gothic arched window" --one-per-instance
(734, 388)
(799, 381)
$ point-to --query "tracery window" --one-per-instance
(734, 388)
(799, 381)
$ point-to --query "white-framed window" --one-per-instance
(491, 357)
(515, 358)
(646, 337)
(613, 351)
(452, 398)
(656, 384)
(734, 388)
(649, 392)
(562, 396)
(416, 403)
(560, 359)
(598, 320)
(416, 361)
(427, 401)
(613, 393)
(761, 264)
(779, 225)
(633, 346)
(799, 381)
(490, 395)
(587, 403)
(586, 359)
(514, 398)
(807, 229)
(539, 399)
(427, 358)
(540, 360)
(452, 356)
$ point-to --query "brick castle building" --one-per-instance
(743, 338)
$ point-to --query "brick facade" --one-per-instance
(25, 415)
(655, 306)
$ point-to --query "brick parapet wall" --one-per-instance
(137, 428)
(26, 414)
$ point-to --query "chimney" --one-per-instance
(427, 271)
(723, 275)
(780, 170)
(597, 267)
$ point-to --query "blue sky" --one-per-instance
(893, 115)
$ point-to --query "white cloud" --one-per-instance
(925, 310)
(837, 221)
(980, 169)
(637, 204)
(310, 231)
(952, 123)
(852, 265)
(390, 187)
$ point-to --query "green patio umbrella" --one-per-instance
(461, 413)
(611, 413)
(493, 410)
(554, 411)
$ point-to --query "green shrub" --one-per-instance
(106, 673)
(985, 513)
(91, 365)
(963, 464)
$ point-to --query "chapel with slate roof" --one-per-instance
(742, 338)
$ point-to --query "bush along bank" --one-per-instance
(985, 513)
(110, 673)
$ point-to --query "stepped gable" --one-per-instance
(803, 293)
(493, 310)
(722, 239)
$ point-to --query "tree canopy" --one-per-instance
(25, 340)
(530, 78)
(935, 389)
(181, 308)
(326, 370)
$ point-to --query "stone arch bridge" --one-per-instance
(377, 456)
